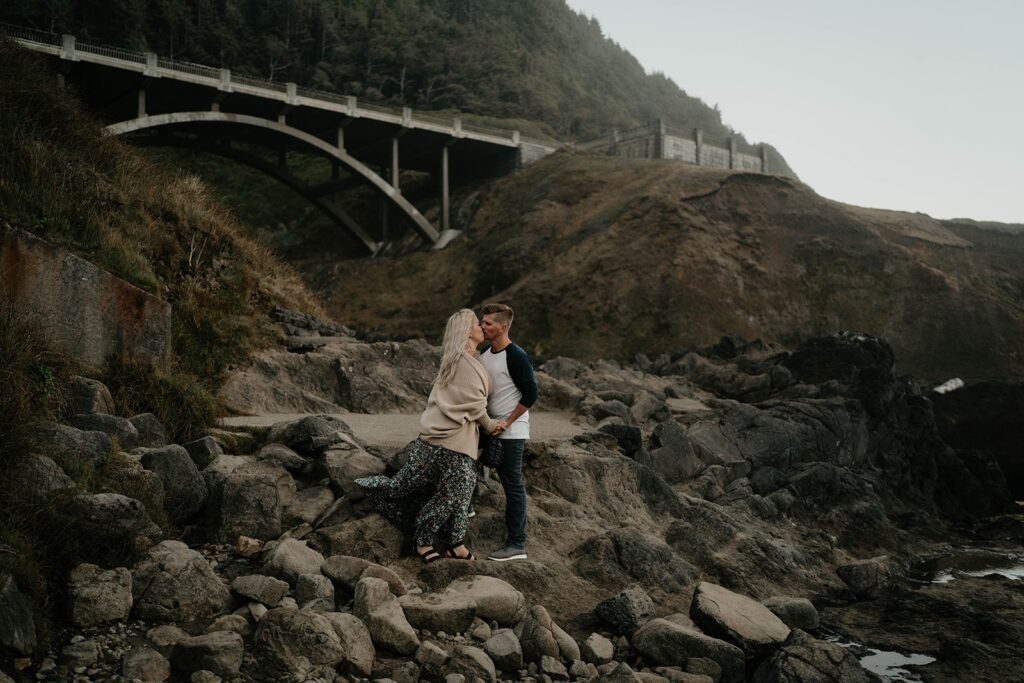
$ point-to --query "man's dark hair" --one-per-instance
(503, 313)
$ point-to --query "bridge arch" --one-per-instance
(181, 119)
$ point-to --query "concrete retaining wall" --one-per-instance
(659, 142)
(85, 309)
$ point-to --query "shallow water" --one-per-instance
(974, 562)
(886, 664)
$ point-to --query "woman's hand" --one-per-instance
(499, 427)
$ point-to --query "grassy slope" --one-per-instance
(610, 257)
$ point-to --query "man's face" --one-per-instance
(492, 328)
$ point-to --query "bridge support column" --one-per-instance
(394, 162)
(444, 189)
(732, 153)
(698, 143)
(764, 159)
(141, 112)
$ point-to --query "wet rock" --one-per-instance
(311, 435)
(495, 598)
(627, 611)
(504, 648)
(662, 642)
(89, 396)
(119, 428)
(83, 653)
(794, 612)
(621, 556)
(151, 431)
(537, 635)
(292, 643)
(203, 450)
(219, 652)
(738, 619)
(869, 578)
(448, 610)
(248, 504)
(175, 583)
(356, 642)
(597, 649)
(383, 616)
(185, 490)
(290, 559)
(803, 659)
(231, 622)
(263, 589)
(99, 596)
(68, 444)
(145, 664)
(473, 663)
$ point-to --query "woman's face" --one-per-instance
(476, 333)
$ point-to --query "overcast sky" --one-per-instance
(915, 105)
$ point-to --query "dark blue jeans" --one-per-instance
(511, 474)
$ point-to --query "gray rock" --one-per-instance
(184, 488)
(145, 664)
(345, 572)
(356, 642)
(431, 657)
(111, 520)
(68, 444)
(175, 583)
(314, 587)
(165, 637)
(343, 467)
(495, 599)
(480, 630)
(473, 663)
(537, 635)
(117, 428)
(447, 610)
(553, 668)
(578, 670)
(703, 666)
(231, 622)
(290, 559)
(383, 616)
(794, 612)
(664, 643)
(803, 659)
(597, 649)
(675, 675)
(675, 457)
(623, 556)
(307, 505)
(233, 441)
(216, 473)
(263, 589)
(249, 504)
(151, 431)
(220, 652)
(99, 596)
(312, 435)
(869, 578)
(568, 648)
(203, 451)
(737, 619)
(292, 643)
(627, 611)
(41, 475)
(617, 672)
(505, 650)
(204, 677)
(89, 396)
(285, 457)
(82, 653)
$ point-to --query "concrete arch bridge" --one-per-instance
(154, 101)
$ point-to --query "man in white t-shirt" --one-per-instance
(513, 391)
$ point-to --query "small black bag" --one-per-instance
(491, 450)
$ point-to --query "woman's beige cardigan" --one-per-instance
(455, 412)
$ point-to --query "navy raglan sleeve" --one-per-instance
(521, 370)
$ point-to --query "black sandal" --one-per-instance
(429, 556)
(450, 553)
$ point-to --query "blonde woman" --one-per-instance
(441, 464)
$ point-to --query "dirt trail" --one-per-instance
(394, 430)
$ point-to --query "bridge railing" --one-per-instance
(112, 52)
(30, 35)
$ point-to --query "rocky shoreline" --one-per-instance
(725, 510)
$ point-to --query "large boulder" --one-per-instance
(343, 467)
(263, 589)
(383, 616)
(40, 475)
(176, 583)
(505, 650)
(473, 663)
(537, 636)
(248, 504)
(111, 521)
(291, 558)
(495, 599)
(449, 611)
(145, 664)
(220, 652)
(203, 450)
(665, 643)
(17, 626)
(626, 611)
(625, 555)
(185, 490)
(870, 578)
(68, 444)
(312, 435)
(673, 455)
(307, 506)
(115, 427)
(804, 659)
(597, 649)
(87, 395)
(99, 595)
(291, 644)
(345, 571)
(356, 642)
(281, 455)
(737, 619)
(794, 612)
(152, 433)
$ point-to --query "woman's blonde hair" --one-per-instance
(456, 336)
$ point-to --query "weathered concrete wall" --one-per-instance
(91, 313)
(653, 142)
(680, 149)
(747, 162)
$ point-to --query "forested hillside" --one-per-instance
(533, 60)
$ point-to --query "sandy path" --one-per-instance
(393, 430)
